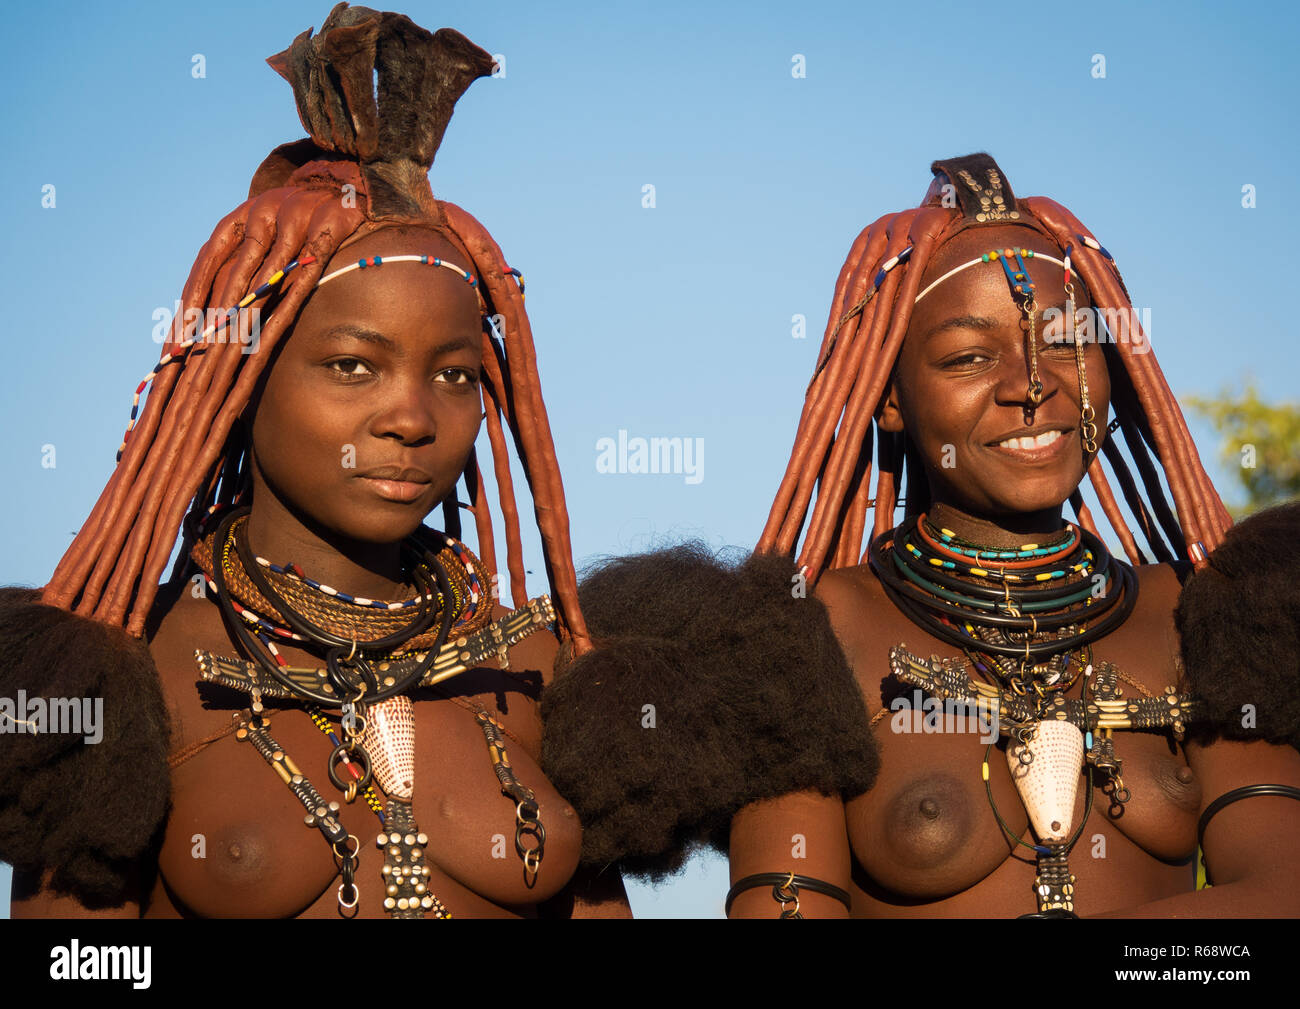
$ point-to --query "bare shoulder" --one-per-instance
(1159, 585)
(178, 615)
(179, 623)
(535, 653)
(1146, 645)
(511, 694)
(856, 605)
(844, 585)
(1158, 590)
(847, 592)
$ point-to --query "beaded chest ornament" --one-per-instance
(1025, 619)
(367, 685)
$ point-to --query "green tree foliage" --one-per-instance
(1261, 444)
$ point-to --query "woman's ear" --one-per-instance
(890, 415)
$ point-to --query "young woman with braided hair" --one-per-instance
(301, 459)
(958, 369)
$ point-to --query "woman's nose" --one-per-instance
(408, 414)
(1026, 379)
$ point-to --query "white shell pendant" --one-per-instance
(1049, 784)
(390, 740)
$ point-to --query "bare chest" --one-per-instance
(236, 842)
(935, 829)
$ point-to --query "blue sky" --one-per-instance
(673, 321)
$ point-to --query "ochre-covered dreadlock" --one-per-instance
(364, 167)
(869, 317)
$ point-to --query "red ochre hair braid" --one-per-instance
(179, 456)
(375, 92)
(838, 443)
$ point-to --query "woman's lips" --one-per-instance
(1033, 449)
(403, 491)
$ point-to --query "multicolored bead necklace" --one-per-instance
(964, 594)
(375, 738)
(467, 590)
(463, 555)
(1025, 619)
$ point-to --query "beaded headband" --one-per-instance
(1022, 285)
(1004, 256)
(906, 254)
(225, 320)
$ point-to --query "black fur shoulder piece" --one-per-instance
(86, 803)
(711, 686)
(1239, 622)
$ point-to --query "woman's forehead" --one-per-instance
(981, 294)
(971, 243)
(395, 296)
(986, 279)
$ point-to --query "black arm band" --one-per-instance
(1236, 795)
(790, 884)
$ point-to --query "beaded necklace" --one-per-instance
(963, 593)
(1025, 620)
(366, 677)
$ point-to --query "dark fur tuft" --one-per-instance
(1239, 621)
(86, 812)
(752, 699)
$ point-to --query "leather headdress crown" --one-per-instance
(375, 88)
(979, 186)
(980, 190)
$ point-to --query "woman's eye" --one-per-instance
(966, 360)
(457, 376)
(349, 367)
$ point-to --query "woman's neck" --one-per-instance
(282, 536)
(1005, 533)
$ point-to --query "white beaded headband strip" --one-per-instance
(990, 257)
(180, 350)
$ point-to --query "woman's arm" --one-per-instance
(590, 895)
(802, 833)
(1252, 846)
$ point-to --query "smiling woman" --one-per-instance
(322, 621)
(958, 336)
(966, 349)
